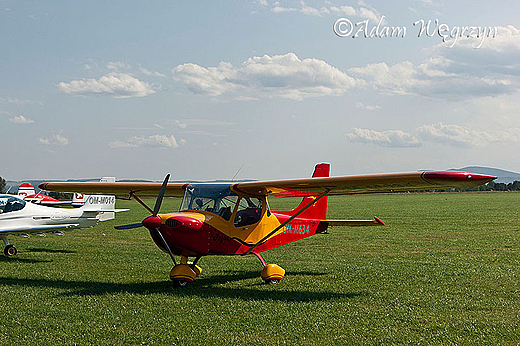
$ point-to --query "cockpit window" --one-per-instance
(10, 203)
(249, 211)
(214, 198)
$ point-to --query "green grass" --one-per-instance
(444, 270)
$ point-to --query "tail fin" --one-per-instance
(78, 199)
(104, 206)
(25, 190)
(319, 209)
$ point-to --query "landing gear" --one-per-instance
(184, 273)
(10, 250)
(272, 273)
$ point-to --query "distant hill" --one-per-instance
(503, 176)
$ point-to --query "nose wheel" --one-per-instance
(184, 273)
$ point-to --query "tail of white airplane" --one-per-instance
(78, 199)
(102, 206)
(25, 190)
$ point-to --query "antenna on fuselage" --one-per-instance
(233, 179)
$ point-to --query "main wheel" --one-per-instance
(272, 281)
(10, 250)
(180, 283)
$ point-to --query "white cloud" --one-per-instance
(118, 65)
(151, 73)
(454, 135)
(391, 138)
(450, 135)
(118, 85)
(284, 76)
(18, 101)
(363, 11)
(55, 139)
(460, 71)
(20, 119)
(360, 105)
(154, 141)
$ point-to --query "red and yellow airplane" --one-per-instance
(235, 218)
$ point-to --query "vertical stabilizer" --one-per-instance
(25, 190)
(319, 209)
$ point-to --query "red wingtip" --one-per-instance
(457, 176)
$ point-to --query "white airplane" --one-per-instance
(18, 217)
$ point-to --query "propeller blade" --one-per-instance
(165, 245)
(133, 225)
(158, 202)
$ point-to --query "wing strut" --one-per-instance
(286, 222)
(141, 202)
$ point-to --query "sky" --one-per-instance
(256, 89)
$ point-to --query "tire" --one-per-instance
(180, 283)
(272, 281)
(10, 250)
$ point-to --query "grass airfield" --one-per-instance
(444, 270)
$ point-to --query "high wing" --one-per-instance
(343, 185)
(362, 184)
(119, 189)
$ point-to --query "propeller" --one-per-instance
(153, 222)
(160, 196)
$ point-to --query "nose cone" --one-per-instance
(184, 223)
(152, 222)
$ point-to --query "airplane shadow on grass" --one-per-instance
(16, 259)
(50, 250)
(202, 287)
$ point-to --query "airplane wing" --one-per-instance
(362, 184)
(344, 185)
(119, 189)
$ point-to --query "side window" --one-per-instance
(226, 206)
(249, 211)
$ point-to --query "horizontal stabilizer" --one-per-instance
(355, 223)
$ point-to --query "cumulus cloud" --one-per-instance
(284, 76)
(55, 139)
(118, 65)
(151, 73)
(450, 135)
(394, 139)
(460, 71)
(360, 105)
(117, 85)
(154, 141)
(20, 119)
(454, 135)
(363, 11)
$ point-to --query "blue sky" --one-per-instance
(198, 90)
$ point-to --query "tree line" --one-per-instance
(492, 186)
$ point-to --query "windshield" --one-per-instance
(10, 203)
(214, 198)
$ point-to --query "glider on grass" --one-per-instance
(235, 218)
